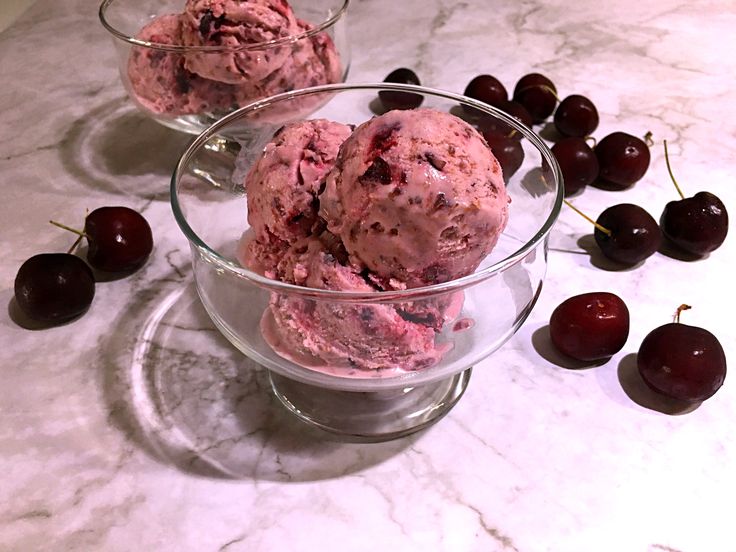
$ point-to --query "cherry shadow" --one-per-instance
(607, 186)
(376, 106)
(534, 183)
(549, 133)
(639, 392)
(668, 249)
(187, 397)
(543, 345)
(469, 116)
(20, 318)
(599, 260)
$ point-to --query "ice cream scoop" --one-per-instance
(235, 25)
(416, 198)
(313, 61)
(283, 185)
(341, 337)
(161, 83)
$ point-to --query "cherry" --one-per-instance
(54, 287)
(627, 234)
(119, 238)
(507, 150)
(576, 116)
(698, 224)
(487, 89)
(682, 362)
(393, 99)
(516, 110)
(537, 94)
(591, 326)
(623, 159)
(578, 163)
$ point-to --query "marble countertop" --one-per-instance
(535, 457)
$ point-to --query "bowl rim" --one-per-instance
(181, 48)
(371, 296)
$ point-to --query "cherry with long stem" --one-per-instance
(696, 225)
(625, 233)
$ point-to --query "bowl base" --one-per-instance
(371, 416)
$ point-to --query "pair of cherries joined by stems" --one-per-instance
(53, 288)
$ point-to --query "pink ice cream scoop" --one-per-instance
(341, 337)
(234, 24)
(416, 197)
(172, 83)
(161, 83)
(313, 61)
(283, 185)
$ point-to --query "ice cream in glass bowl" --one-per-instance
(187, 63)
(368, 263)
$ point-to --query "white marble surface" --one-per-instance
(536, 457)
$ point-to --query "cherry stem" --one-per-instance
(603, 229)
(69, 228)
(681, 308)
(669, 170)
(543, 87)
(648, 139)
(548, 89)
(75, 244)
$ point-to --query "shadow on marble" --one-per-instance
(177, 388)
(376, 106)
(549, 133)
(534, 183)
(599, 260)
(668, 249)
(116, 149)
(639, 392)
(19, 318)
(542, 343)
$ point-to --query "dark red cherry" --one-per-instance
(576, 116)
(507, 150)
(578, 163)
(516, 110)
(682, 362)
(54, 287)
(623, 159)
(537, 94)
(394, 99)
(591, 326)
(698, 224)
(487, 89)
(119, 238)
(634, 234)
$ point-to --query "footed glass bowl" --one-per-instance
(186, 70)
(478, 313)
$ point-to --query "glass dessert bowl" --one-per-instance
(367, 364)
(187, 63)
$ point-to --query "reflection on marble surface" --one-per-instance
(137, 427)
